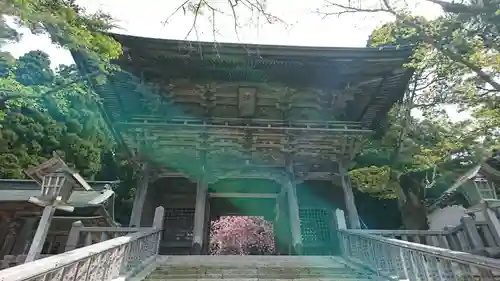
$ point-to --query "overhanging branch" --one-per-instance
(434, 42)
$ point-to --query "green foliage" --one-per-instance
(33, 126)
(430, 151)
(67, 121)
(34, 69)
(459, 51)
(395, 34)
(454, 58)
(67, 24)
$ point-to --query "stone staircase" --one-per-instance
(365, 256)
(253, 268)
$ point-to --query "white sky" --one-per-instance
(303, 25)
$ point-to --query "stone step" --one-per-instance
(252, 269)
(210, 272)
(335, 278)
(255, 268)
(186, 278)
(256, 275)
(253, 261)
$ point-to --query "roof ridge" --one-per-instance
(167, 41)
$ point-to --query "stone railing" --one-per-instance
(111, 260)
(470, 236)
(412, 261)
(81, 236)
(13, 260)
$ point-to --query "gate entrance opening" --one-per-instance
(241, 235)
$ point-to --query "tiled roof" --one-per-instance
(22, 190)
(489, 169)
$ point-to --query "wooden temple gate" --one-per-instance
(196, 116)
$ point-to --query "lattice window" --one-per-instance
(178, 224)
(315, 226)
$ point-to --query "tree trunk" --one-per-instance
(411, 206)
(413, 213)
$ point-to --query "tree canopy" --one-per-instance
(66, 23)
(67, 121)
(456, 55)
(33, 126)
(454, 63)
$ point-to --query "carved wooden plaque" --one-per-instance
(247, 97)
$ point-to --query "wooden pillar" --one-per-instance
(206, 237)
(9, 238)
(5, 224)
(282, 229)
(140, 197)
(352, 211)
(24, 235)
(199, 218)
(293, 206)
(41, 234)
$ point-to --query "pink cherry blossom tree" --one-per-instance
(241, 236)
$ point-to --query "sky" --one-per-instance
(301, 25)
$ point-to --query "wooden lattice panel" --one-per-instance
(178, 224)
(315, 226)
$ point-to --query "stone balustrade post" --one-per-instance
(158, 218)
(74, 236)
(473, 236)
(158, 224)
(341, 225)
(452, 241)
(493, 222)
(340, 217)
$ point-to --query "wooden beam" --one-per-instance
(255, 121)
(279, 127)
(242, 195)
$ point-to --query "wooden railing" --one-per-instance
(111, 260)
(412, 261)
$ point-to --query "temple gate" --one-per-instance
(214, 124)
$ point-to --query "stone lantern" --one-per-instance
(57, 182)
